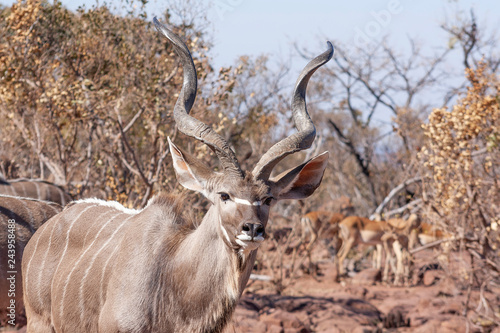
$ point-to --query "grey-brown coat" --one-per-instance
(19, 219)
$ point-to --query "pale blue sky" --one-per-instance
(257, 26)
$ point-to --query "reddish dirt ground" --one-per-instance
(362, 303)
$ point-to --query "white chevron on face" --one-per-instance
(246, 202)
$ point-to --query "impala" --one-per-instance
(316, 224)
(34, 188)
(99, 267)
(355, 230)
(407, 227)
(428, 233)
(19, 219)
(405, 238)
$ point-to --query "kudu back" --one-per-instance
(34, 188)
(99, 267)
(19, 219)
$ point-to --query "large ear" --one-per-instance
(191, 173)
(300, 182)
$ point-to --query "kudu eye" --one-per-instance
(224, 196)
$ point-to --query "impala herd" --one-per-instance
(394, 236)
(96, 266)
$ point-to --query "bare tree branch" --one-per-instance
(393, 193)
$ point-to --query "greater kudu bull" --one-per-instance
(99, 267)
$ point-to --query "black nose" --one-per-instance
(253, 230)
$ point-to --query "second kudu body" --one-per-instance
(19, 219)
(98, 267)
(36, 189)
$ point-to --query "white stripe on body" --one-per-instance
(43, 211)
(38, 194)
(83, 254)
(101, 288)
(46, 192)
(64, 251)
(32, 219)
(14, 191)
(96, 254)
(41, 270)
(27, 272)
(61, 196)
(23, 188)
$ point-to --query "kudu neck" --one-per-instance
(199, 280)
(206, 249)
